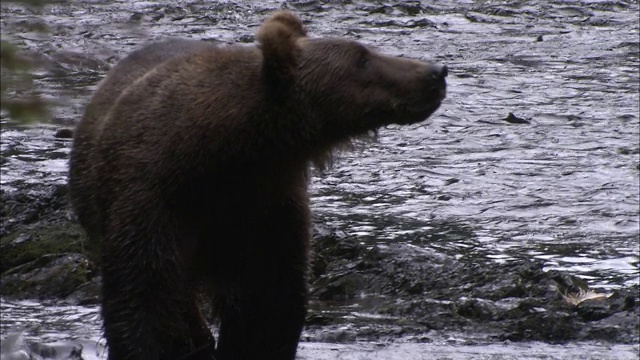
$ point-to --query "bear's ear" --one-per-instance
(278, 41)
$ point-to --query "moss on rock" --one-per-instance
(27, 244)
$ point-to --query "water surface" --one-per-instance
(563, 188)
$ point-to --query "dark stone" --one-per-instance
(512, 119)
(64, 134)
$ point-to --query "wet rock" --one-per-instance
(512, 119)
(32, 203)
(384, 9)
(402, 8)
(513, 301)
(421, 23)
(50, 276)
(346, 250)
(623, 151)
(339, 336)
(88, 293)
(340, 286)
(136, 17)
(247, 38)
(402, 24)
(29, 243)
(478, 309)
(53, 352)
(15, 347)
(37, 227)
(451, 181)
(64, 134)
(306, 5)
(407, 289)
(410, 8)
(62, 63)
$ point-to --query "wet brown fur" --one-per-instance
(189, 167)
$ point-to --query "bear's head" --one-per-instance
(354, 88)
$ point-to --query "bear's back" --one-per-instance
(127, 72)
(132, 68)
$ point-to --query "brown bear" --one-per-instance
(190, 168)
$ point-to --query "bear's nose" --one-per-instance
(438, 71)
(444, 71)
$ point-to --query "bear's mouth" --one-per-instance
(416, 115)
(421, 110)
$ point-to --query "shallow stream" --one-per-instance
(563, 188)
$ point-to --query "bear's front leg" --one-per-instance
(149, 304)
(263, 319)
(263, 313)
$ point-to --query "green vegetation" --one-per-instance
(18, 98)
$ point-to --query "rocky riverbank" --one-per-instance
(359, 292)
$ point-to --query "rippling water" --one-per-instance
(51, 324)
(563, 188)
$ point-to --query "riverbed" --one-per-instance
(560, 186)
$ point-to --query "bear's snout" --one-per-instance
(435, 76)
(421, 94)
(438, 72)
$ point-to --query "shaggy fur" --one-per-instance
(190, 165)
